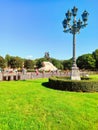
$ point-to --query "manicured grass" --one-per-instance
(28, 105)
(94, 77)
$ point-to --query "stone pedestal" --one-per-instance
(75, 74)
(1, 76)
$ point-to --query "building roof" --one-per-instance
(47, 66)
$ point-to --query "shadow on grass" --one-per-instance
(46, 84)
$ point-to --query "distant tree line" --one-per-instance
(84, 62)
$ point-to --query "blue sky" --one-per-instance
(29, 28)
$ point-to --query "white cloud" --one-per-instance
(29, 57)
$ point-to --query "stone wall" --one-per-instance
(30, 75)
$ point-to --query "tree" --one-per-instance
(67, 64)
(2, 62)
(95, 54)
(39, 62)
(29, 64)
(7, 59)
(57, 63)
(86, 61)
(15, 62)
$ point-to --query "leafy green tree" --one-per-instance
(7, 59)
(2, 62)
(86, 61)
(67, 64)
(29, 64)
(54, 61)
(15, 62)
(39, 62)
(57, 63)
(95, 54)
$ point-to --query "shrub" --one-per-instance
(72, 85)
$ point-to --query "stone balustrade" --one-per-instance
(30, 75)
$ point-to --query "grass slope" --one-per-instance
(27, 105)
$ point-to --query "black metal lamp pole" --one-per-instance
(74, 29)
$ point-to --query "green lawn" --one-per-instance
(28, 105)
(94, 77)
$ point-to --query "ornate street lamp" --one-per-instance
(74, 29)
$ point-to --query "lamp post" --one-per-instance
(74, 28)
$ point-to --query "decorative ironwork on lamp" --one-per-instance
(73, 29)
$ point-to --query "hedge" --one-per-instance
(72, 85)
